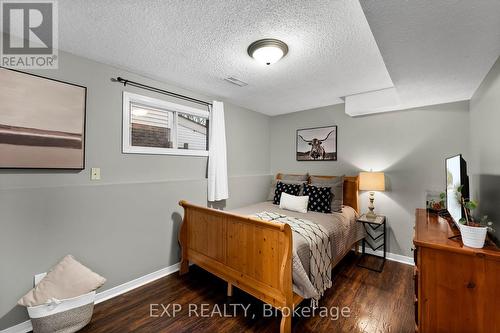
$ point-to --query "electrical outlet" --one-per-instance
(95, 174)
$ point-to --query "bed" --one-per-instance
(256, 255)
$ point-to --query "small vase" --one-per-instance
(473, 236)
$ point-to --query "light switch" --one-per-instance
(95, 174)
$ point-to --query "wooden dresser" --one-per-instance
(457, 288)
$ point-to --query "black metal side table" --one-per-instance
(375, 229)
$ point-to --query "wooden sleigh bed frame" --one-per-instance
(251, 254)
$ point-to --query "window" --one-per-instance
(154, 126)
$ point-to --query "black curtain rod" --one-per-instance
(161, 91)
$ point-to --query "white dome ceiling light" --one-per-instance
(267, 51)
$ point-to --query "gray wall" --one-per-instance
(125, 225)
(484, 164)
(409, 146)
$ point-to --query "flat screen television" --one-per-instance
(456, 176)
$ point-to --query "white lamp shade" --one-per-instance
(268, 55)
(371, 181)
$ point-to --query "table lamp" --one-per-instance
(371, 181)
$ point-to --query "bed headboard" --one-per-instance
(351, 194)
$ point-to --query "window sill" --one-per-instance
(164, 151)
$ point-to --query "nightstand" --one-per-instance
(375, 230)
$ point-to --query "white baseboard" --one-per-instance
(391, 256)
(140, 281)
(25, 326)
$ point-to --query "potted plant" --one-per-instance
(436, 203)
(473, 231)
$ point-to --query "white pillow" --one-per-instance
(294, 203)
(67, 279)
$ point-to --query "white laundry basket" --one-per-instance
(62, 316)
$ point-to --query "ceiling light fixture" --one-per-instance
(267, 51)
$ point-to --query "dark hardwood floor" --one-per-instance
(378, 302)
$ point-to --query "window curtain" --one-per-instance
(217, 156)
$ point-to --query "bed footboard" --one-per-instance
(248, 253)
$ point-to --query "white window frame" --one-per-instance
(127, 147)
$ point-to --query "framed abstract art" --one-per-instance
(42, 122)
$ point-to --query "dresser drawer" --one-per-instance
(453, 284)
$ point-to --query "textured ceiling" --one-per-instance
(435, 51)
(196, 44)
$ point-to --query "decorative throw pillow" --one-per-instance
(288, 176)
(281, 187)
(319, 198)
(270, 196)
(67, 279)
(337, 188)
(294, 203)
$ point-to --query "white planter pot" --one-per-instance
(473, 236)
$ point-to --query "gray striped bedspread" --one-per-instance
(342, 229)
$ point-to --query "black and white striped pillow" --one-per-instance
(293, 189)
(320, 198)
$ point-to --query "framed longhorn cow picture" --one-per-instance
(317, 144)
